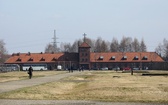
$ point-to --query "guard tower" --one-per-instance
(84, 54)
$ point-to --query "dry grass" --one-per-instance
(19, 75)
(101, 86)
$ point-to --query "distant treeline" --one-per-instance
(127, 44)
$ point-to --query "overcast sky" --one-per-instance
(28, 25)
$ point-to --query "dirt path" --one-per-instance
(13, 85)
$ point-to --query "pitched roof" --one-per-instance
(42, 57)
(125, 57)
(94, 57)
(84, 44)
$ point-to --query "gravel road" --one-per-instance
(66, 102)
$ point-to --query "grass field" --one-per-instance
(108, 86)
(20, 75)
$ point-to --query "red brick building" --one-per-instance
(86, 59)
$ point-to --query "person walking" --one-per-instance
(30, 72)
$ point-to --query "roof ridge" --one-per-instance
(84, 44)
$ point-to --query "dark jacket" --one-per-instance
(30, 70)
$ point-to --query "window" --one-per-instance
(86, 60)
(101, 58)
(113, 58)
(82, 50)
(19, 60)
(136, 58)
(101, 65)
(145, 58)
(107, 65)
(42, 59)
(31, 59)
(54, 59)
(124, 58)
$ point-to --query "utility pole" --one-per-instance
(55, 42)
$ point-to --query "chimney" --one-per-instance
(29, 53)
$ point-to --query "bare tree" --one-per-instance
(162, 49)
(75, 45)
(159, 50)
(91, 43)
(104, 47)
(114, 46)
(65, 47)
(49, 48)
(135, 45)
(126, 44)
(165, 46)
(143, 47)
(3, 52)
(2, 47)
(98, 44)
(129, 44)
